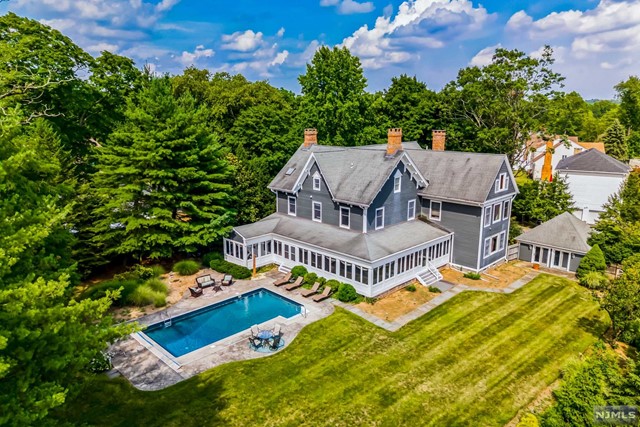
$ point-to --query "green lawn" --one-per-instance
(475, 360)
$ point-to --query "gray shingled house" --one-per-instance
(378, 216)
(559, 243)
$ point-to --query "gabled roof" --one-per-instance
(456, 175)
(364, 246)
(565, 231)
(355, 175)
(597, 145)
(592, 160)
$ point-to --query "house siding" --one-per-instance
(574, 262)
(525, 252)
(281, 201)
(464, 221)
(512, 185)
(591, 191)
(490, 231)
(395, 204)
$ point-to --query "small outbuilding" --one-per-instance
(559, 243)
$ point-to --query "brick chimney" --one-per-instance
(310, 137)
(438, 138)
(394, 141)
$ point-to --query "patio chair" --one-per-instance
(227, 280)
(295, 285)
(254, 342)
(205, 281)
(308, 292)
(283, 281)
(277, 330)
(324, 295)
(195, 292)
(275, 343)
(255, 330)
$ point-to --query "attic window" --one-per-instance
(502, 183)
(290, 171)
(397, 182)
(316, 181)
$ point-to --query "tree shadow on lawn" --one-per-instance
(596, 324)
(194, 402)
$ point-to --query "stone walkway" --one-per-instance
(449, 291)
(149, 367)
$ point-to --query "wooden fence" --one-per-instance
(513, 251)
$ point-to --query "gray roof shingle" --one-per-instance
(592, 160)
(565, 231)
(356, 174)
(365, 246)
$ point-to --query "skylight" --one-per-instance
(290, 171)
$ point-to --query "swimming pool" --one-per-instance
(196, 329)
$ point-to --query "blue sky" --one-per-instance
(596, 42)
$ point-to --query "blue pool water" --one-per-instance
(202, 327)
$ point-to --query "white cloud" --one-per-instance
(100, 47)
(485, 56)
(165, 5)
(349, 7)
(417, 24)
(190, 58)
(518, 20)
(242, 41)
(280, 32)
(280, 58)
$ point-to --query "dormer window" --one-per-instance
(397, 182)
(316, 181)
(502, 183)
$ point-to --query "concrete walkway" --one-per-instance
(449, 291)
(150, 367)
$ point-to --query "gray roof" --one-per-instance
(464, 176)
(593, 160)
(563, 232)
(356, 174)
(364, 246)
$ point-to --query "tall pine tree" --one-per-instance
(163, 181)
(615, 141)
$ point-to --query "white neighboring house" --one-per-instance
(592, 177)
(562, 148)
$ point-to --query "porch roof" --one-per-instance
(370, 246)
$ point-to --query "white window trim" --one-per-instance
(508, 207)
(348, 226)
(397, 176)
(497, 188)
(316, 176)
(295, 206)
(488, 253)
(484, 218)
(375, 219)
(413, 216)
(493, 210)
(431, 210)
(313, 211)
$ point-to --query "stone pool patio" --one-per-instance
(150, 368)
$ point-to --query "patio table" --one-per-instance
(265, 336)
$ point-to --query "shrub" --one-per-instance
(528, 420)
(127, 287)
(592, 261)
(157, 285)
(298, 270)
(434, 290)
(514, 231)
(333, 284)
(411, 288)
(186, 267)
(160, 300)
(144, 295)
(137, 272)
(226, 267)
(158, 270)
(594, 280)
(471, 275)
(346, 293)
(322, 281)
(210, 256)
(310, 278)
(100, 363)
(370, 300)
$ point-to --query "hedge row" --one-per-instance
(226, 267)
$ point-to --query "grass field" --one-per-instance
(476, 360)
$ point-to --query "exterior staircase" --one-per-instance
(284, 269)
(429, 276)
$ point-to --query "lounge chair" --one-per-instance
(275, 343)
(227, 280)
(205, 281)
(283, 281)
(294, 285)
(324, 295)
(195, 292)
(314, 290)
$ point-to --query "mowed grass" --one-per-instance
(475, 360)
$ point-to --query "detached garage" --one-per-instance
(559, 243)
